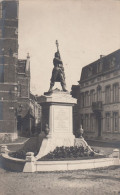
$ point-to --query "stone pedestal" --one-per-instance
(29, 165)
(57, 113)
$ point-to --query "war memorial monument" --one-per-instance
(57, 124)
(57, 111)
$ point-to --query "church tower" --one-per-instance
(8, 67)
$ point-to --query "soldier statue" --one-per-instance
(58, 74)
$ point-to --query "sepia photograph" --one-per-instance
(59, 97)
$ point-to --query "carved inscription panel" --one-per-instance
(61, 119)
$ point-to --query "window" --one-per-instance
(107, 94)
(82, 100)
(116, 92)
(11, 9)
(92, 96)
(1, 73)
(99, 66)
(89, 71)
(0, 33)
(19, 123)
(24, 90)
(19, 89)
(86, 98)
(81, 120)
(92, 122)
(107, 121)
(99, 93)
(115, 121)
(112, 62)
(1, 110)
(0, 10)
(86, 126)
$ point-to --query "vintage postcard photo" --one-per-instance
(59, 97)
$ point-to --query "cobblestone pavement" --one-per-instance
(83, 182)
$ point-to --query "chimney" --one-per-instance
(101, 56)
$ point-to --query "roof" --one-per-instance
(103, 65)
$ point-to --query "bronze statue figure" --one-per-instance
(58, 74)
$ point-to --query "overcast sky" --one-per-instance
(85, 29)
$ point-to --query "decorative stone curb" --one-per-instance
(47, 166)
(32, 165)
(12, 164)
(4, 149)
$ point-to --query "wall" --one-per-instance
(8, 59)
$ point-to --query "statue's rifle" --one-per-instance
(57, 44)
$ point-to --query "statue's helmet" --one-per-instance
(57, 55)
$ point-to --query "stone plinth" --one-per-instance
(57, 113)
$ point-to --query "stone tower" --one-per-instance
(8, 65)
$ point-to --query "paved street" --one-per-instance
(98, 182)
(83, 182)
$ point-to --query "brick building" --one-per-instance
(8, 61)
(15, 116)
(98, 95)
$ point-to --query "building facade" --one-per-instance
(98, 95)
(8, 61)
(15, 98)
(28, 110)
(35, 114)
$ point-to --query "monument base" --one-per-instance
(50, 143)
(57, 115)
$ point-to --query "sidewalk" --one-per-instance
(104, 147)
(104, 143)
(16, 145)
(19, 140)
